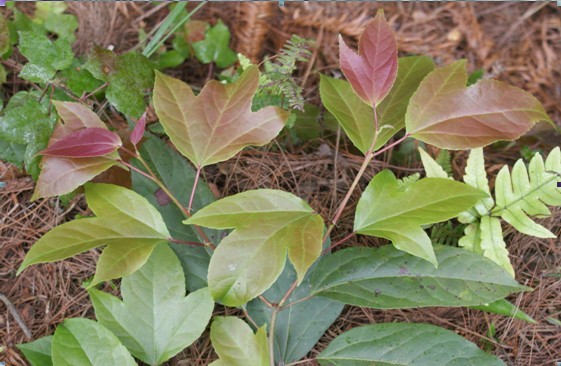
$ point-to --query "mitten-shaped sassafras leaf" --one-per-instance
(236, 345)
(60, 175)
(155, 320)
(384, 210)
(269, 224)
(126, 224)
(372, 71)
(445, 113)
(85, 342)
(216, 124)
(357, 117)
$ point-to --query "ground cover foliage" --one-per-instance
(247, 245)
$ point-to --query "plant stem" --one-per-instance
(272, 336)
(339, 242)
(198, 174)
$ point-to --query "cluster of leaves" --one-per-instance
(267, 251)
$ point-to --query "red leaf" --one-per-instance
(85, 143)
(138, 130)
(373, 70)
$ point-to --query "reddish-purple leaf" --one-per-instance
(445, 113)
(86, 143)
(62, 175)
(138, 130)
(373, 70)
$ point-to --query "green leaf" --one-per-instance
(492, 244)
(79, 80)
(63, 175)
(45, 56)
(527, 192)
(63, 25)
(3, 74)
(388, 212)
(445, 113)
(236, 345)
(432, 168)
(300, 326)
(12, 153)
(404, 344)
(129, 76)
(26, 125)
(38, 352)
(357, 117)
(476, 176)
(269, 224)
(174, 171)
(155, 320)
(84, 342)
(216, 124)
(386, 278)
(504, 307)
(126, 223)
(216, 47)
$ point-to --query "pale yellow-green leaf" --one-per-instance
(472, 239)
(269, 224)
(432, 168)
(236, 345)
(492, 243)
(476, 176)
(126, 223)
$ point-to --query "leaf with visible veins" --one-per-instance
(445, 113)
(86, 143)
(61, 175)
(373, 70)
(218, 123)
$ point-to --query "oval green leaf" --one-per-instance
(236, 345)
(402, 344)
(386, 278)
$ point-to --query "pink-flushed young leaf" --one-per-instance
(86, 143)
(138, 130)
(61, 175)
(373, 70)
(445, 113)
(218, 123)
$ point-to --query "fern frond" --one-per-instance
(446, 234)
(526, 192)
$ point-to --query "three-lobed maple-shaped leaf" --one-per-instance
(445, 113)
(268, 225)
(84, 342)
(372, 71)
(236, 345)
(86, 143)
(357, 117)
(386, 211)
(216, 124)
(61, 175)
(126, 223)
(155, 320)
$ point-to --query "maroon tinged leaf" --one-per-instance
(216, 124)
(60, 175)
(445, 113)
(86, 143)
(373, 70)
(138, 130)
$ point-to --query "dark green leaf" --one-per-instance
(79, 80)
(386, 278)
(178, 176)
(401, 344)
(38, 352)
(506, 308)
(4, 36)
(216, 47)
